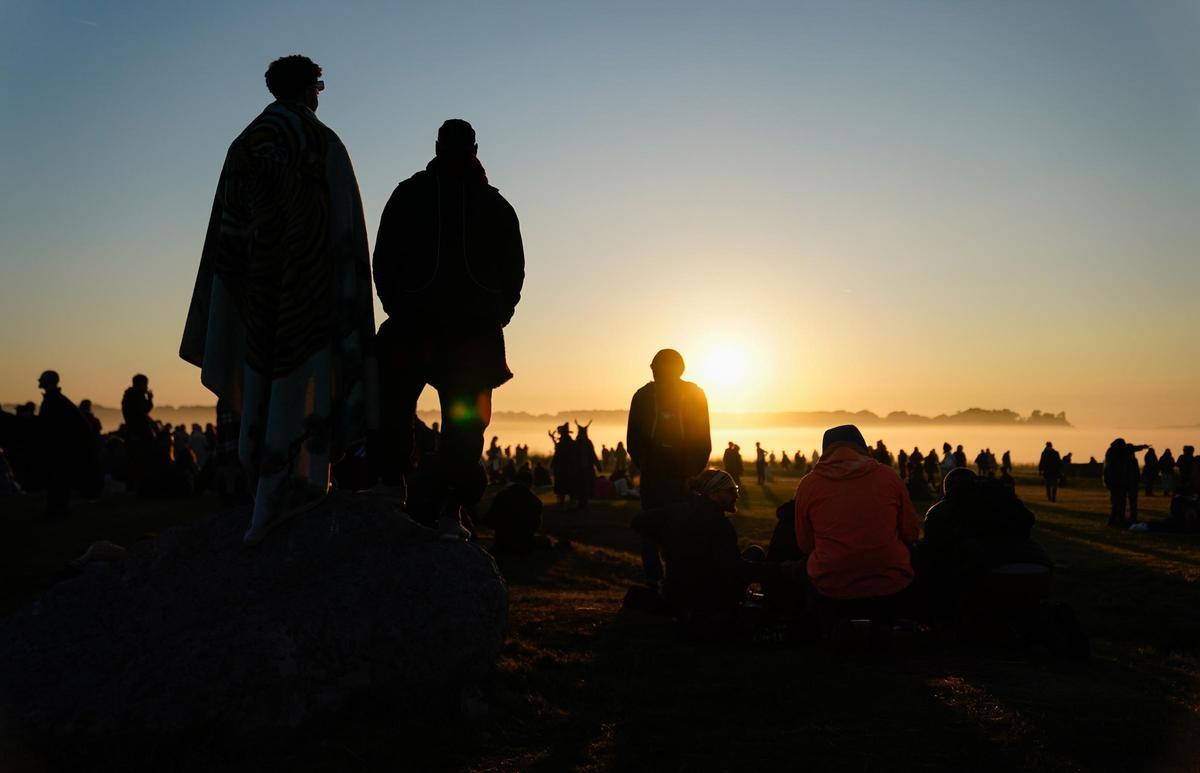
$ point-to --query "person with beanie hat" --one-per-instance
(706, 575)
(854, 521)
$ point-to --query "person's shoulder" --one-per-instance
(644, 391)
(692, 388)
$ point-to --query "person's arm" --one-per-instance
(512, 270)
(635, 441)
(387, 248)
(805, 539)
(703, 440)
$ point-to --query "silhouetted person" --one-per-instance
(960, 457)
(1050, 468)
(564, 464)
(93, 423)
(668, 440)
(136, 405)
(516, 516)
(282, 320)
(1166, 471)
(1150, 471)
(620, 458)
(706, 574)
(64, 443)
(449, 267)
(978, 526)
(732, 461)
(760, 464)
(902, 464)
(1122, 478)
(585, 458)
(541, 476)
(1186, 462)
(931, 468)
(1006, 462)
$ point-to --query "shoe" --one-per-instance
(1140, 526)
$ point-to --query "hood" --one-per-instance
(843, 462)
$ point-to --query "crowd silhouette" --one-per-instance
(311, 397)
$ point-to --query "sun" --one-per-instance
(723, 365)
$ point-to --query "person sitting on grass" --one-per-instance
(706, 576)
(516, 516)
(1184, 515)
(854, 520)
(979, 526)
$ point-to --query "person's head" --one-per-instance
(667, 365)
(456, 139)
(845, 434)
(958, 480)
(295, 78)
(958, 450)
(1049, 444)
(48, 381)
(85, 406)
(140, 381)
(945, 448)
(719, 487)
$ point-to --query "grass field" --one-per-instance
(579, 687)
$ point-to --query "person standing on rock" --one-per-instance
(281, 322)
(449, 267)
(669, 441)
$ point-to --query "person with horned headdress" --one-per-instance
(668, 439)
(449, 267)
(281, 321)
(586, 465)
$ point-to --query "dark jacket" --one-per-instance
(668, 433)
(449, 249)
(1050, 465)
(705, 572)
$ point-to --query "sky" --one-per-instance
(881, 205)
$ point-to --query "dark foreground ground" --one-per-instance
(580, 688)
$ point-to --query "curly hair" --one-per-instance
(289, 77)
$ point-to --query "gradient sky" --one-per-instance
(919, 206)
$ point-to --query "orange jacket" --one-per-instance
(854, 520)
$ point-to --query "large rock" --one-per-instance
(193, 630)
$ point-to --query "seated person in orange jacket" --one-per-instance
(854, 521)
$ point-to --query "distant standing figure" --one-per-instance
(668, 440)
(960, 457)
(732, 461)
(1122, 478)
(1150, 470)
(449, 267)
(281, 322)
(1006, 463)
(1050, 467)
(588, 463)
(136, 405)
(902, 464)
(620, 458)
(64, 443)
(1166, 471)
(760, 463)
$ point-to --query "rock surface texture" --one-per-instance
(192, 630)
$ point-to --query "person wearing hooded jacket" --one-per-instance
(449, 267)
(855, 522)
